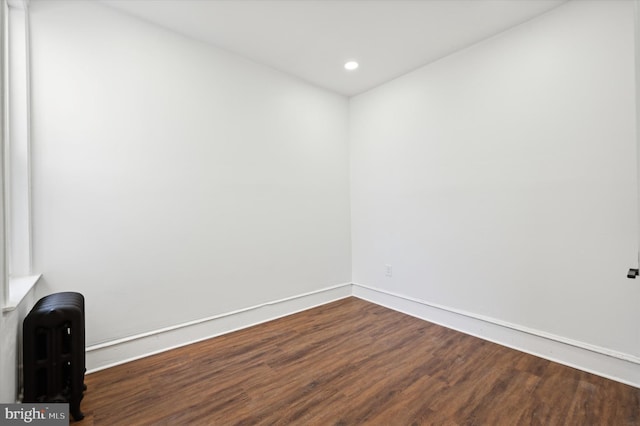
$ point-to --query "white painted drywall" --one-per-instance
(8, 358)
(10, 345)
(501, 180)
(174, 181)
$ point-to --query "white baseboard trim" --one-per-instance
(617, 366)
(603, 362)
(112, 353)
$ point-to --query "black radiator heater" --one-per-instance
(54, 351)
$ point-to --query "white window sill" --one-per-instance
(19, 287)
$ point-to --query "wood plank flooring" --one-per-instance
(352, 362)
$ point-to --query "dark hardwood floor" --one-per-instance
(352, 362)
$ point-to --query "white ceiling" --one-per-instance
(312, 39)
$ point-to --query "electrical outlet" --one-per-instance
(388, 270)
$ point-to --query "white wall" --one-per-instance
(10, 345)
(8, 358)
(500, 182)
(174, 181)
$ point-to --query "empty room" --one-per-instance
(312, 212)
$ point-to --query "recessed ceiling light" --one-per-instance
(351, 65)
